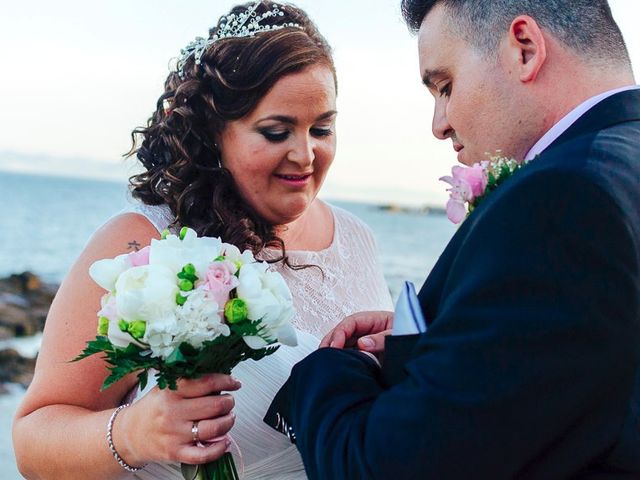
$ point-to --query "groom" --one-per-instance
(530, 365)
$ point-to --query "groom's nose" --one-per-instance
(440, 127)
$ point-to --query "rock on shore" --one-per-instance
(15, 368)
(424, 210)
(24, 303)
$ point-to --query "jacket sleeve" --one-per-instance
(533, 349)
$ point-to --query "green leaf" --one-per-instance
(491, 182)
(143, 378)
(188, 350)
(175, 357)
(173, 384)
(162, 383)
(99, 345)
(263, 352)
(116, 374)
(247, 329)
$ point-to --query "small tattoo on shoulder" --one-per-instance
(135, 246)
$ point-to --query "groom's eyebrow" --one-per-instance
(429, 75)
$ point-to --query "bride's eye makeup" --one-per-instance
(277, 136)
(274, 135)
(322, 132)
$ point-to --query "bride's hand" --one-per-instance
(366, 330)
(158, 428)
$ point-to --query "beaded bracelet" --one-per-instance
(112, 447)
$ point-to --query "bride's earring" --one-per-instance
(218, 155)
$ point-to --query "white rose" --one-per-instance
(106, 272)
(174, 253)
(232, 253)
(147, 292)
(162, 335)
(269, 300)
(200, 319)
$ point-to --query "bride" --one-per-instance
(238, 147)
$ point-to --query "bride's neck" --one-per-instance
(311, 231)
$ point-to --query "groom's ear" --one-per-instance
(528, 46)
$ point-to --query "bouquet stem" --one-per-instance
(222, 469)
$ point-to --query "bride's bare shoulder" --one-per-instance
(123, 233)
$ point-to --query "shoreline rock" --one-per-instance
(15, 368)
(24, 304)
(424, 210)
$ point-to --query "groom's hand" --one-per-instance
(364, 330)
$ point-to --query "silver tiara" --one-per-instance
(243, 24)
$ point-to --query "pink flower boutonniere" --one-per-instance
(471, 185)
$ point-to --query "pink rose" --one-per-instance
(467, 184)
(456, 210)
(139, 258)
(220, 280)
(475, 177)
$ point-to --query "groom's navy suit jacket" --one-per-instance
(530, 367)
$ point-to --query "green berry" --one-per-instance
(236, 310)
(137, 328)
(103, 326)
(180, 300)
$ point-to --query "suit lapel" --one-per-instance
(619, 108)
(431, 291)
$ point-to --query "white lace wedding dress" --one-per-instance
(350, 281)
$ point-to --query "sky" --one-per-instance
(78, 76)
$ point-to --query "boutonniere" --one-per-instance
(471, 185)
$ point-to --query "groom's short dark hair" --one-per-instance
(585, 26)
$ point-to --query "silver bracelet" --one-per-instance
(112, 447)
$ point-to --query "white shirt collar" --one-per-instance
(570, 118)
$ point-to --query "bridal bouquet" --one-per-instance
(470, 185)
(186, 306)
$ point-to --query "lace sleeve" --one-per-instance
(160, 216)
(365, 247)
(349, 278)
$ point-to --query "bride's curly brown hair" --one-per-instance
(178, 146)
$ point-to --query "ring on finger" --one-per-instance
(195, 434)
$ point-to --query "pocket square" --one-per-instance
(408, 318)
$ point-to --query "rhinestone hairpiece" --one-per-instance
(243, 24)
